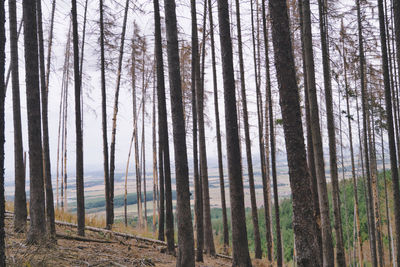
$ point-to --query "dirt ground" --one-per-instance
(121, 252)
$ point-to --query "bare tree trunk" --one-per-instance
(240, 250)
(143, 163)
(49, 50)
(218, 131)
(310, 149)
(164, 161)
(37, 230)
(389, 115)
(197, 179)
(344, 183)
(263, 150)
(2, 133)
(61, 131)
(185, 255)
(104, 122)
(257, 239)
(80, 198)
(273, 154)
(390, 237)
(353, 170)
(114, 119)
(323, 23)
(50, 221)
(208, 233)
(65, 130)
(19, 193)
(395, 184)
(154, 139)
(364, 111)
(374, 183)
(10, 67)
(327, 246)
(126, 184)
(155, 174)
(82, 56)
(303, 217)
(135, 136)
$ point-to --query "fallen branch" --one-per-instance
(138, 238)
(84, 239)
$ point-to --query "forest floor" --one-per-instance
(115, 251)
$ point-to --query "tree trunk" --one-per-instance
(126, 184)
(208, 232)
(19, 194)
(323, 23)
(37, 228)
(353, 169)
(327, 246)
(144, 141)
(389, 115)
(155, 174)
(218, 131)
(395, 184)
(50, 221)
(310, 150)
(265, 157)
(257, 70)
(61, 116)
(185, 229)
(273, 155)
(197, 179)
(114, 119)
(365, 139)
(164, 161)
(254, 212)
(135, 135)
(104, 121)
(240, 249)
(80, 199)
(2, 133)
(303, 217)
(374, 182)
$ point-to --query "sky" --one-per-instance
(143, 16)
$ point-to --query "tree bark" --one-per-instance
(80, 198)
(365, 139)
(240, 249)
(389, 115)
(185, 255)
(264, 148)
(353, 169)
(327, 246)
(114, 119)
(303, 217)
(273, 156)
(50, 221)
(155, 173)
(218, 130)
(104, 121)
(323, 24)
(395, 184)
(19, 193)
(37, 228)
(208, 232)
(310, 149)
(2, 134)
(254, 211)
(164, 160)
(197, 179)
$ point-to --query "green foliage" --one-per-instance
(286, 214)
(100, 204)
